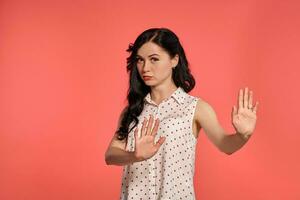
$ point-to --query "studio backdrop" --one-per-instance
(63, 84)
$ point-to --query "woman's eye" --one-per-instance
(141, 60)
(138, 60)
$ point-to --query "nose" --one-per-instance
(146, 67)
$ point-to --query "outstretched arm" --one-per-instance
(145, 145)
(243, 120)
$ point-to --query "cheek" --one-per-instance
(139, 69)
(163, 70)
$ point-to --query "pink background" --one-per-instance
(63, 84)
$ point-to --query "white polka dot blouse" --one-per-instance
(169, 173)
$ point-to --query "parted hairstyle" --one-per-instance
(137, 90)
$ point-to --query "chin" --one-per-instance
(150, 83)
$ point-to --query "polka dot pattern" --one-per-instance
(169, 173)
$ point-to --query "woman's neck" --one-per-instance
(162, 92)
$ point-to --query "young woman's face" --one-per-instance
(154, 64)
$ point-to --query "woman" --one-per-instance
(157, 131)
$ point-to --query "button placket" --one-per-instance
(152, 188)
(156, 115)
(157, 110)
(152, 168)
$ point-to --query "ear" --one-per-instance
(175, 60)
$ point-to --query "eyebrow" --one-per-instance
(148, 56)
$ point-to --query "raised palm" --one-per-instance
(244, 119)
(145, 146)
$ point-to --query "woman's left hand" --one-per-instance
(244, 119)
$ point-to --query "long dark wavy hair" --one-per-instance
(137, 90)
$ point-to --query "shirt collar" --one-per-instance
(178, 95)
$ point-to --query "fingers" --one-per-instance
(155, 128)
(144, 126)
(255, 107)
(234, 111)
(246, 98)
(136, 133)
(149, 126)
(250, 100)
(160, 141)
(240, 101)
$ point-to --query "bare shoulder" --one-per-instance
(206, 117)
(203, 108)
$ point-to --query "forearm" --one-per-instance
(233, 142)
(116, 156)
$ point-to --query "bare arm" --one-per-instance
(234, 142)
(207, 118)
(145, 146)
(116, 153)
(243, 121)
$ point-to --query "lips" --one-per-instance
(147, 77)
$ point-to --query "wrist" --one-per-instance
(137, 158)
(244, 136)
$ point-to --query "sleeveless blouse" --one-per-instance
(169, 173)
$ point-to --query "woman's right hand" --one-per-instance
(144, 145)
